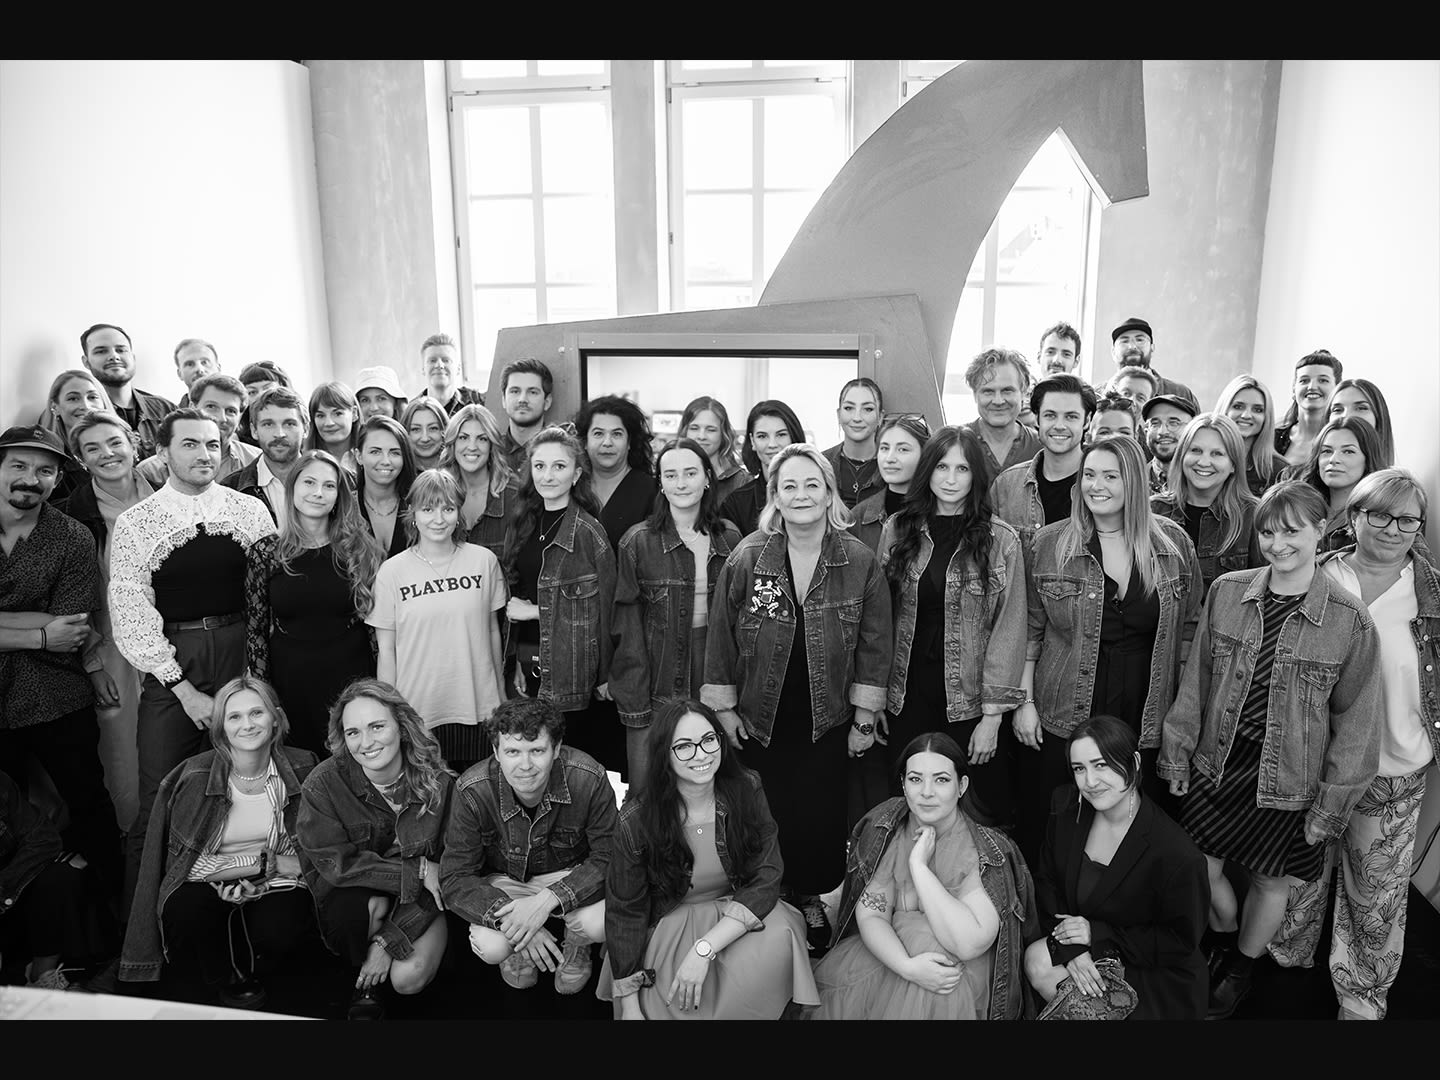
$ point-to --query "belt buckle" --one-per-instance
(212, 622)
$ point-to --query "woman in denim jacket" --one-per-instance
(1113, 595)
(667, 570)
(372, 827)
(959, 583)
(797, 661)
(943, 907)
(1207, 496)
(492, 489)
(693, 919)
(1279, 713)
(897, 454)
(220, 846)
(562, 578)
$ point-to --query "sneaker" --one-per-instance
(574, 971)
(817, 925)
(54, 979)
(519, 971)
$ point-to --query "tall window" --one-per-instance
(535, 194)
(753, 143)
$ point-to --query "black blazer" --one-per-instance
(1149, 908)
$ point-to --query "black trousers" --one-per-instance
(44, 921)
(220, 937)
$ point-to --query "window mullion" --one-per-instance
(537, 195)
(757, 189)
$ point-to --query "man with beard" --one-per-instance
(49, 584)
(222, 398)
(445, 373)
(997, 378)
(1036, 493)
(278, 420)
(195, 358)
(526, 386)
(1165, 418)
(1132, 343)
(177, 601)
(105, 349)
(1059, 352)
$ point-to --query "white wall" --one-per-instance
(175, 198)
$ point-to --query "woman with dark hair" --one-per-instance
(334, 423)
(859, 410)
(372, 827)
(307, 592)
(562, 584)
(436, 619)
(1346, 451)
(935, 910)
(958, 578)
(897, 453)
(667, 568)
(617, 441)
(1117, 877)
(257, 378)
(707, 422)
(221, 846)
(1362, 398)
(492, 489)
(1247, 401)
(694, 923)
(424, 421)
(1279, 701)
(386, 471)
(771, 425)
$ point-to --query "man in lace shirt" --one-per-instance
(177, 586)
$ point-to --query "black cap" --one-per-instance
(1132, 323)
(33, 438)
(1168, 399)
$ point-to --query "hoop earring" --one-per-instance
(1078, 805)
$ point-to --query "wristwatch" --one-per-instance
(704, 950)
(863, 729)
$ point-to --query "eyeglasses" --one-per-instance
(1378, 519)
(913, 417)
(685, 749)
(1170, 423)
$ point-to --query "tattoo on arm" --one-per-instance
(875, 901)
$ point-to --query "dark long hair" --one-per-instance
(407, 457)
(668, 860)
(920, 503)
(1378, 406)
(1365, 434)
(932, 742)
(638, 454)
(768, 407)
(709, 520)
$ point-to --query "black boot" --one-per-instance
(1232, 987)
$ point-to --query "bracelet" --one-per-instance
(44, 640)
(424, 868)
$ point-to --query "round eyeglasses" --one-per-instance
(1378, 519)
(685, 749)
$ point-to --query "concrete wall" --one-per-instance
(175, 198)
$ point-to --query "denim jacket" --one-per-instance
(1003, 874)
(1065, 609)
(1323, 725)
(869, 515)
(1425, 629)
(490, 833)
(28, 843)
(984, 625)
(576, 594)
(634, 903)
(752, 630)
(191, 806)
(1015, 498)
(654, 602)
(1243, 554)
(490, 527)
(346, 830)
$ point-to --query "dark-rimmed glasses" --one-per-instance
(685, 749)
(1379, 519)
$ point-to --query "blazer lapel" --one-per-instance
(1135, 844)
(1072, 841)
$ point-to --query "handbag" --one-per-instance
(1116, 1002)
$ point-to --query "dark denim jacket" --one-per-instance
(870, 518)
(1065, 609)
(1003, 874)
(984, 630)
(346, 830)
(191, 806)
(752, 630)
(490, 527)
(1425, 629)
(654, 602)
(634, 903)
(1015, 499)
(1243, 554)
(576, 593)
(1324, 721)
(28, 843)
(490, 833)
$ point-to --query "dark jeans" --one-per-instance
(165, 735)
(44, 921)
(69, 748)
(220, 937)
(345, 923)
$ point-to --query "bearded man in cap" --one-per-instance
(1132, 344)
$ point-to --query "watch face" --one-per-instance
(704, 948)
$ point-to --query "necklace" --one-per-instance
(382, 513)
(251, 779)
(546, 527)
(430, 564)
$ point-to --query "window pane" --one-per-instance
(784, 214)
(802, 141)
(1052, 166)
(1022, 311)
(567, 303)
(704, 297)
(575, 149)
(1039, 235)
(717, 238)
(579, 240)
(497, 308)
(965, 342)
(492, 69)
(718, 144)
(714, 65)
(570, 67)
(502, 241)
(497, 147)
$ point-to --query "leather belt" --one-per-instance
(209, 622)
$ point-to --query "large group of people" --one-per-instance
(1070, 710)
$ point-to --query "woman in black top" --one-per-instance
(387, 469)
(897, 452)
(617, 441)
(771, 425)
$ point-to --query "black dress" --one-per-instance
(629, 504)
(743, 506)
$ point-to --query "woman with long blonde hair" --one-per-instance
(491, 487)
(1247, 401)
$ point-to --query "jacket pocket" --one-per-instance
(850, 614)
(1061, 599)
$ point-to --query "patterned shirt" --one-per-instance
(148, 534)
(463, 395)
(53, 570)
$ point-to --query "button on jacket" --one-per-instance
(347, 832)
(752, 630)
(490, 833)
(654, 603)
(1015, 495)
(1241, 554)
(1066, 604)
(1323, 724)
(985, 624)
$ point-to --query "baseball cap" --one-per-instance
(32, 438)
(1132, 323)
(1167, 399)
(382, 378)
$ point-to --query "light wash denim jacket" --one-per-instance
(576, 594)
(1015, 496)
(984, 630)
(1243, 554)
(1066, 605)
(1325, 714)
(752, 630)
